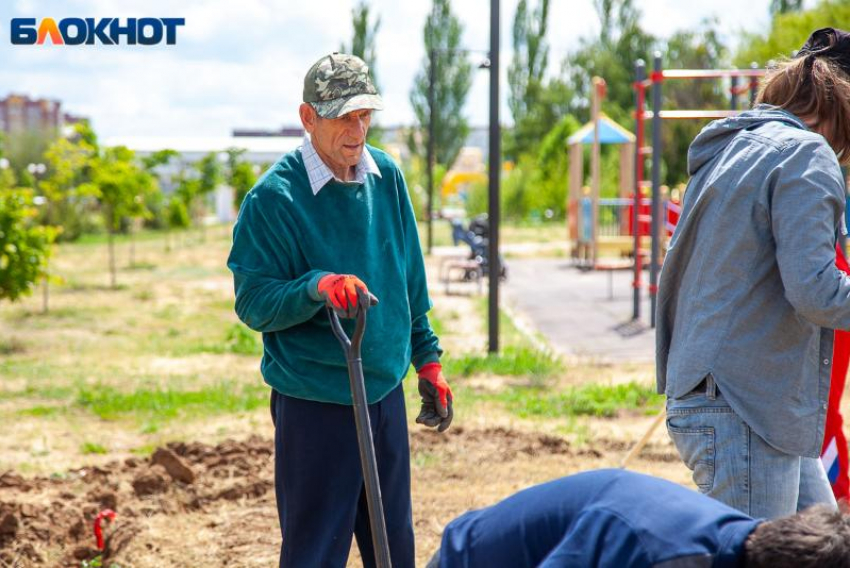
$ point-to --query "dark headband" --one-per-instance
(830, 44)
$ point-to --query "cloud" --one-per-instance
(241, 63)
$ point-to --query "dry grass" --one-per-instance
(165, 328)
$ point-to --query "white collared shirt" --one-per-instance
(320, 174)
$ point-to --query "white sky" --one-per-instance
(241, 63)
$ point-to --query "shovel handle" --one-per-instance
(351, 345)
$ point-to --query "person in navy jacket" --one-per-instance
(621, 519)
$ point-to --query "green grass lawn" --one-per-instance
(107, 372)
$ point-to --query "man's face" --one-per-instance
(338, 141)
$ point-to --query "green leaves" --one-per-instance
(452, 81)
(24, 247)
(789, 29)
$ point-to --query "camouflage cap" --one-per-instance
(338, 84)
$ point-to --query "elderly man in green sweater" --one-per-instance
(327, 219)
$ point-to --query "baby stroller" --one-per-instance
(477, 236)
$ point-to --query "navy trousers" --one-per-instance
(321, 499)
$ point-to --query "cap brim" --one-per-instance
(344, 105)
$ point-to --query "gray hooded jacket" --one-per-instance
(749, 291)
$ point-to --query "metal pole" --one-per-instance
(657, 80)
(733, 90)
(494, 172)
(595, 106)
(430, 170)
(640, 76)
(754, 85)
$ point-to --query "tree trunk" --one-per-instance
(132, 245)
(112, 272)
(45, 304)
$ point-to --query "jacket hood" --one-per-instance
(716, 135)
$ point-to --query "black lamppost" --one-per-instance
(494, 169)
(494, 172)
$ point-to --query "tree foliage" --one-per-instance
(363, 37)
(239, 175)
(363, 45)
(612, 56)
(692, 49)
(24, 246)
(527, 96)
(119, 186)
(66, 207)
(453, 79)
(785, 6)
(788, 31)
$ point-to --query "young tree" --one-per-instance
(118, 184)
(242, 179)
(525, 78)
(24, 246)
(67, 164)
(211, 175)
(239, 175)
(363, 46)
(363, 38)
(155, 201)
(453, 79)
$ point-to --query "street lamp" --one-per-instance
(36, 169)
(494, 167)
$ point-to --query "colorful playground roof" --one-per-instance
(609, 133)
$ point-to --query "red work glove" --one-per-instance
(340, 293)
(436, 398)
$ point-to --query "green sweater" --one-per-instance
(286, 238)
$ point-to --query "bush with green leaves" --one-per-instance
(24, 246)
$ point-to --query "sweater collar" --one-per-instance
(320, 174)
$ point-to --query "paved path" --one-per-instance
(574, 311)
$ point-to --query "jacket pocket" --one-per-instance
(695, 445)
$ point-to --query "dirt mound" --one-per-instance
(500, 444)
(199, 504)
(50, 520)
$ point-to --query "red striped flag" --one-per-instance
(834, 452)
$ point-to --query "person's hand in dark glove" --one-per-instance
(436, 398)
(339, 291)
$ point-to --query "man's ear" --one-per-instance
(308, 116)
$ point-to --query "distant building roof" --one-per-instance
(204, 144)
(283, 131)
(609, 133)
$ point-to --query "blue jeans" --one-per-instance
(734, 465)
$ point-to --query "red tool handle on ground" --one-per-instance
(108, 514)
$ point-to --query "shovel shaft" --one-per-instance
(363, 424)
(369, 463)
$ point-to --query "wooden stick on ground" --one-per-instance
(642, 442)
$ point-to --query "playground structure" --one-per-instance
(586, 218)
(637, 214)
(656, 82)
